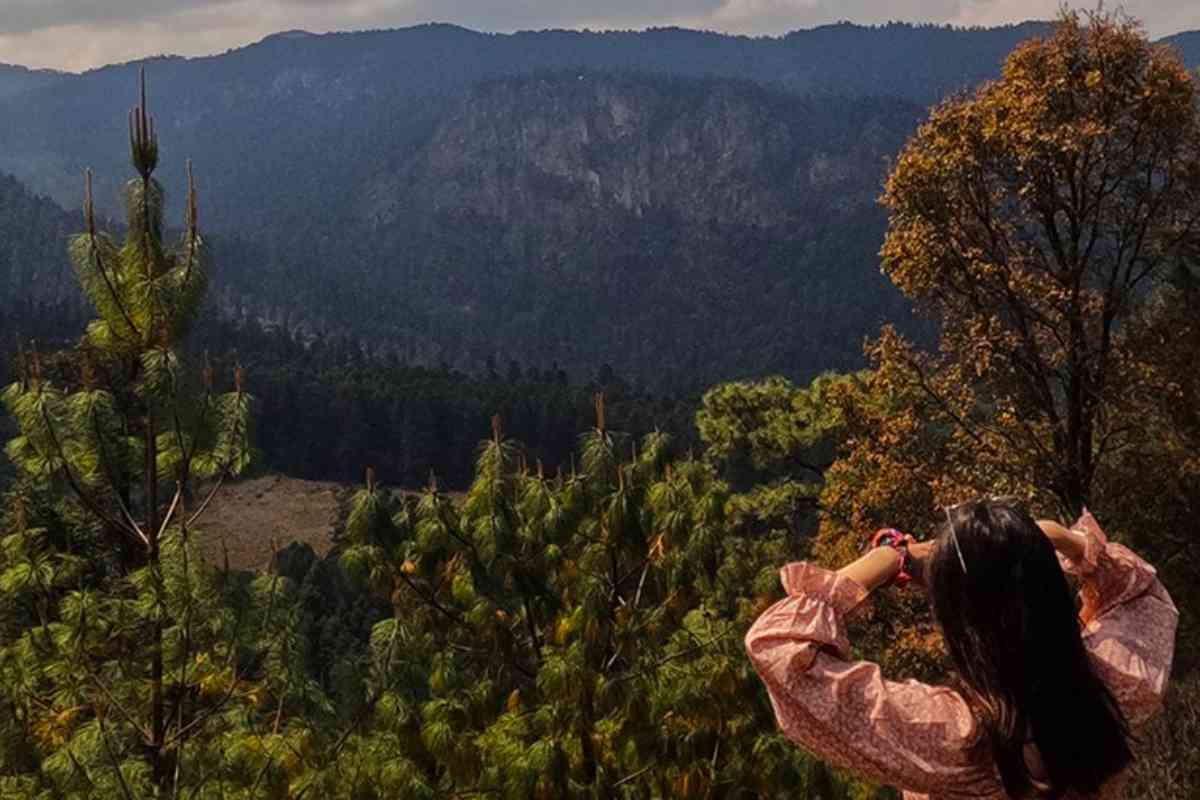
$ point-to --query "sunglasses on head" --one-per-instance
(1002, 499)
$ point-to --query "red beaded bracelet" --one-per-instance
(898, 541)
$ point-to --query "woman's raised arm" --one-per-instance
(904, 734)
(1128, 618)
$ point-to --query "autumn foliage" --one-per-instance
(1043, 222)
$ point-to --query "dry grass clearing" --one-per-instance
(252, 514)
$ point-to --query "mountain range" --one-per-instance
(692, 206)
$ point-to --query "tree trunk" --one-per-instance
(157, 724)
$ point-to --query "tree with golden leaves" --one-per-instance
(1033, 219)
(1047, 223)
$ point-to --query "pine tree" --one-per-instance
(125, 656)
(565, 636)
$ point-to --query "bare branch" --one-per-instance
(115, 704)
(171, 509)
(212, 493)
(113, 758)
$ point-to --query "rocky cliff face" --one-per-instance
(687, 229)
(570, 146)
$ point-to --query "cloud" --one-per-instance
(1161, 17)
(68, 34)
(27, 16)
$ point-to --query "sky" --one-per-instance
(80, 34)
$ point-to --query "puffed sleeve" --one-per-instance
(910, 735)
(1128, 621)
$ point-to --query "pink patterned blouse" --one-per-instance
(924, 739)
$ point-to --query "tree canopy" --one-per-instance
(1042, 222)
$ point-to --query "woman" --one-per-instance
(1047, 693)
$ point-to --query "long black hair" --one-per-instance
(1010, 623)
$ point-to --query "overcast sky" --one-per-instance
(79, 34)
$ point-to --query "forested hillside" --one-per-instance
(332, 79)
(14, 79)
(688, 206)
(39, 297)
(33, 264)
(636, 208)
(37, 294)
(447, 200)
(409, 420)
(688, 230)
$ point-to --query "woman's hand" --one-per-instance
(1067, 542)
(919, 556)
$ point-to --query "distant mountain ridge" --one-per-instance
(702, 203)
(33, 258)
(577, 217)
(315, 99)
(16, 79)
(1188, 45)
(315, 83)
